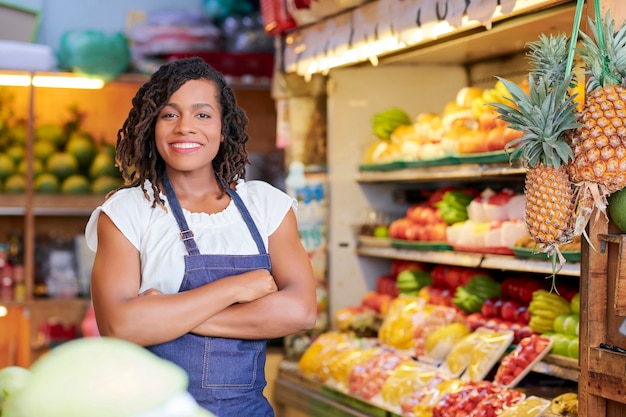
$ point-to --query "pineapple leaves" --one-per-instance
(603, 53)
(544, 116)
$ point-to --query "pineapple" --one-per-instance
(546, 117)
(599, 166)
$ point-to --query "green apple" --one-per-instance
(572, 349)
(381, 231)
(560, 344)
(559, 323)
(571, 325)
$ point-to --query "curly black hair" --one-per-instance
(136, 154)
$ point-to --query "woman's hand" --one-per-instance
(252, 285)
(247, 287)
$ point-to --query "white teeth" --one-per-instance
(185, 145)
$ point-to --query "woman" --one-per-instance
(193, 262)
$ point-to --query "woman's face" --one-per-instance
(188, 129)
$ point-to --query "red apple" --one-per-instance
(414, 232)
(525, 331)
(523, 315)
(386, 284)
(509, 310)
(489, 309)
(435, 296)
(438, 275)
(414, 212)
(397, 228)
(475, 320)
(438, 232)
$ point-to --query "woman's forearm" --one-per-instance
(275, 315)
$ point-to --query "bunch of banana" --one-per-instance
(565, 405)
(384, 123)
(544, 308)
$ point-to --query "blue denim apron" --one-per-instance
(226, 376)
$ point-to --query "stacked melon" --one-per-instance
(63, 162)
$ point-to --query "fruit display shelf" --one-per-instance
(470, 171)
(49, 205)
(467, 259)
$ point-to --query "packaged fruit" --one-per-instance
(477, 398)
(312, 363)
(399, 323)
(440, 342)
(436, 319)
(516, 365)
(343, 362)
(408, 377)
(366, 380)
(487, 353)
(459, 357)
(421, 402)
(529, 407)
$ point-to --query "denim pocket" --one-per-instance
(232, 363)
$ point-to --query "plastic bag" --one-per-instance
(94, 53)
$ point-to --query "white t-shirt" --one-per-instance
(156, 234)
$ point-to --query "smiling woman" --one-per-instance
(206, 263)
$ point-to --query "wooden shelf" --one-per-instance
(465, 172)
(473, 260)
(49, 205)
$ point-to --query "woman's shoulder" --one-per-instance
(257, 190)
(131, 196)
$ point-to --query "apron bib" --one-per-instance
(226, 376)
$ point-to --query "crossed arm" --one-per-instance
(252, 305)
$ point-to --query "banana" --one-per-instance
(541, 324)
(565, 405)
(547, 309)
(549, 296)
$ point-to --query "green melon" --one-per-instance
(76, 184)
(102, 185)
(15, 184)
(617, 209)
(103, 165)
(17, 153)
(50, 133)
(81, 145)
(37, 167)
(62, 164)
(47, 183)
(44, 150)
(17, 135)
(7, 166)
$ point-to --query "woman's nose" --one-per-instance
(185, 124)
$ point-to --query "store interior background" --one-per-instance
(56, 17)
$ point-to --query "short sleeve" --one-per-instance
(128, 209)
(268, 204)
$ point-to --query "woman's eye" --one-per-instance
(168, 115)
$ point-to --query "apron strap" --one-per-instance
(186, 235)
(243, 210)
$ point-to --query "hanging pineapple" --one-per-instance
(599, 166)
(546, 117)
